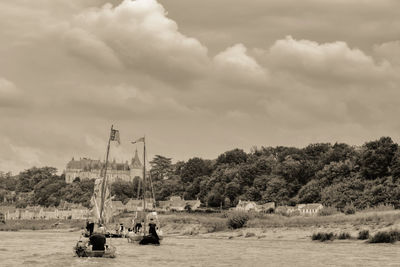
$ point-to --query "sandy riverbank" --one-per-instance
(267, 226)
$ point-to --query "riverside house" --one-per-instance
(41, 213)
(176, 203)
(310, 209)
(252, 206)
(300, 209)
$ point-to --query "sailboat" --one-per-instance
(154, 234)
(96, 245)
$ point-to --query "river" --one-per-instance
(47, 248)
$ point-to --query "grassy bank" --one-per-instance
(17, 225)
(271, 225)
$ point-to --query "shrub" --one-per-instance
(323, 236)
(237, 220)
(350, 209)
(363, 234)
(386, 237)
(344, 235)
(326, 211)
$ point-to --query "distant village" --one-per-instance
(175, 204)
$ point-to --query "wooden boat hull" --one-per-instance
(82, 250)
(133, 238)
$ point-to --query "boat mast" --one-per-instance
(103, 185)
(144, 183)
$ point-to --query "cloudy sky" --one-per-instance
(197, 77)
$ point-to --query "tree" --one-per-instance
(193, 168)
(79, 192)
(377, 157)
(48, 191)
(276, 191)
(29, 178)
(123, 190)
(395, 166)
(215, 199)
(235, 156)
(310, 193)
(161, 168)
(341, 194)
(253, 194)
(232, 190)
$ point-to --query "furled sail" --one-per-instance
(96, 203)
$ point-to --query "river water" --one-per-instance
(41, 248)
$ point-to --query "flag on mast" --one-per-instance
(115, 136)
(141, 139)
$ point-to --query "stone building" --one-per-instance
(90, 169)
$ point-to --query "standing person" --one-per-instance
(138, 226)
(89, 227)
(152, 229)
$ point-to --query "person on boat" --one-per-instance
(97, 241)
(152, 229)
(138, 226)
(101, 229)
(89, 227)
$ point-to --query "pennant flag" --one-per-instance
(141, 139)
(115, 136)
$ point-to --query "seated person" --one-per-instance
(97, 241)
(138, 226)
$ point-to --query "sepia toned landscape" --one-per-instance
(199, 133)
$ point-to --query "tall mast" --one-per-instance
(103, 185)
(144, 183)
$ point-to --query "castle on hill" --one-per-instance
(85, 168)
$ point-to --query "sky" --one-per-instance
(197, 78)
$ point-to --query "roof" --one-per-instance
(86, 164)
(136, 164)
(267, 205)
(311, 206)
(243, 203)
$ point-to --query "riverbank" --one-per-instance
(16, 225)
(274, 226)
(259, 226)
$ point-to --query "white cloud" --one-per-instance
(325, 61)
(142, 37)
(234, 64)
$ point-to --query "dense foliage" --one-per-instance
(336, 175)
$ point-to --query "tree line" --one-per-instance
(335, 175)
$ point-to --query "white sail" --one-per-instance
(96, 199)
(96, 202)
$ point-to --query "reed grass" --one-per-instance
(321, 236)
(385, 237)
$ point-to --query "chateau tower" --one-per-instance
(136, 167)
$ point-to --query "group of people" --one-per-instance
(97, 237)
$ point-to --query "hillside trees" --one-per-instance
(376, 157)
